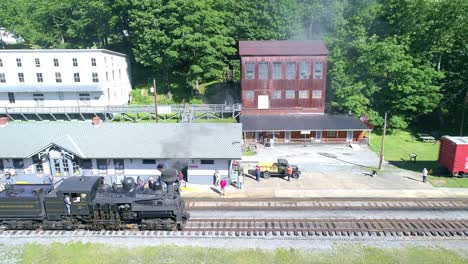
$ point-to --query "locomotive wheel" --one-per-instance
(266, 174)
(295, 175)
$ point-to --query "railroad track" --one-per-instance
(325, 204)
(290, 228)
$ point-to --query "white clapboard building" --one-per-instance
(117, 150)
(63, 77)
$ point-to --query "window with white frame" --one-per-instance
(93, 61)
(290, 94)
(331, 133)
(119, 166)
(207, 162)
(75, 62)
(76, 75)
(11, 98)
(277, 71)
(263, 70)
(276, 95)
(38, 62)
(249, 95)
(58, 77)
(318, 70)
(39, 77)
(95, 77)
(317, 94)
(18, 62)
(56, 62)
(84, 98)
(1, 63)
(2, 78)
(303, 94)
(102, 166)
(249, 70)
(305, 70)
(38, 98)
(291, 70)
(21, 77)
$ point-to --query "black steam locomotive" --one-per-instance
(87, 203)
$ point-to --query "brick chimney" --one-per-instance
(96, 121)
(3, 121)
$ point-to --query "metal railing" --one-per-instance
(173, 108)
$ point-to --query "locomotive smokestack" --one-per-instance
(169, 177)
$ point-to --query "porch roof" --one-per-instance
(298, 122)
(123, 140)
(45, 88)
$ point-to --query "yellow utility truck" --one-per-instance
(279, 168)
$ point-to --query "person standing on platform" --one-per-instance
(217, 178)
(424, 175)
(258, 171)
(290, 171)
(223, 185)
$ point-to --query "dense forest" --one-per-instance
(407, 58)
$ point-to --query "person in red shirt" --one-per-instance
(290, 171)
(258, 169)
(223, 185)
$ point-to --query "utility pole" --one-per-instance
(155, 101)
(462, 124)
(383, 142)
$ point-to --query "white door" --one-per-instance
(263, 102)
(349, 136)
(287, 136)
(318, 136)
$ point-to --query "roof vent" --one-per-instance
(3, 121)
(96, 121)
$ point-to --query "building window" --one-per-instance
(18, 62)
(277, 71)
(113, 75)
(11, 97)
(95, 77)
(38, 98)
(102, 166)
(84, 98)
(207, 162)
(39, 77)
(318, 69)
(263, 70)
(56, 62)
(75, 62)
(58, 77)
(317, 94)
(291, 70)
(305, 70)
(20, 77)
(93, 61)
(149, 161)
(276, 95)
(1, 63)
(61, 96)
(2, 78)
(303, 94)
(249, 95)
(77, 76)
(119, 166)
(107, 76)
(249, 70)
(38, 62)
(331, 133)
(290, 94)
(18, 164)
(120, 74)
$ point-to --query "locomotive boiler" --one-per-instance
(87, 203)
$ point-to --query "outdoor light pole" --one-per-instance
(383, 142)
(155, 101)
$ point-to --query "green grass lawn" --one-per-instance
(400, 144)
(351, 253)
(249, 153)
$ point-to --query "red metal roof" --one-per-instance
(282, 47)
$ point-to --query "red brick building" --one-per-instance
(283, 94)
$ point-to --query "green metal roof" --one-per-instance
(123, 140)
